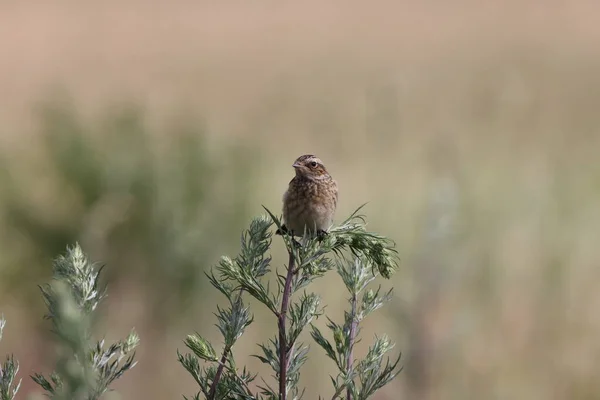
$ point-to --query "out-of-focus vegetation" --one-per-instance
(472, 130)
(114, 184)
(85, 369)
(9, 383)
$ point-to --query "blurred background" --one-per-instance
(152, 132)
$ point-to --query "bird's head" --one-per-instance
(311, 167)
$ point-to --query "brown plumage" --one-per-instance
(311, 198)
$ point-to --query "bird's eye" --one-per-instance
(313, 164)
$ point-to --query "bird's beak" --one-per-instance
(296, 165)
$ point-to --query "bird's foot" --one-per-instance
(285, 231)
(282, 231)
(321, 235)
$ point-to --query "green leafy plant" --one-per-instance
(357, 255)
(8, 373)
(85, 369)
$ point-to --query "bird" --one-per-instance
(310, 201)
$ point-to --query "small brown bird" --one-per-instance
(311, 198)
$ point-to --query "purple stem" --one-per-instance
(283, 345)
(215, 382)
(350, 359)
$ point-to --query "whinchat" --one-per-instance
(310, 200)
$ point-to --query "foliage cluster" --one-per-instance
(86, 368)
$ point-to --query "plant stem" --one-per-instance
(215, 382)
(283, 345)
(350, 359)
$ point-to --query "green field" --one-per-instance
(151, 134)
